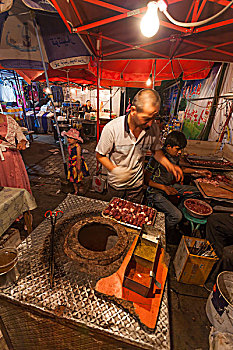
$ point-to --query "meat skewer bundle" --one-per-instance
(215, 180)
(211, 163)
(130, 214)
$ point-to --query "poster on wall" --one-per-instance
(196, 112)
(219, 124)
(169, 101)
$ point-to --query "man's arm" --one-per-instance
(203, 172)
(105, 161)
(105, 146)
(120, 172)
(169, 190)
(171, 168)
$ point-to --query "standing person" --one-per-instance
(12, 169)
(77, 165)
(87, 108)
(124, 142)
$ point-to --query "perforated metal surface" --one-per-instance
(74, 298)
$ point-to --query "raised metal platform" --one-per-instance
(71, 315)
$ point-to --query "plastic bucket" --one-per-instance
(219, 307)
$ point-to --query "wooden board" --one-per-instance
(147, 309)
(209, 190)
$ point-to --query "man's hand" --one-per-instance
(122, 173)
(170, 191)
(171, 168)
(204, 172)
(176, 171)
(21, 146)
(179, 176)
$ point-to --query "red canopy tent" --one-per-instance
(111, 30)
(79, 75)
(135, 73)
(116, 24)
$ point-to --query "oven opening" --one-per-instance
(97, 237)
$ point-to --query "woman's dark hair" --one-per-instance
(176, 138)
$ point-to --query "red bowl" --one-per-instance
(197, 208)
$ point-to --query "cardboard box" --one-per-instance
(191, 268)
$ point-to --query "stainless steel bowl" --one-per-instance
(8, 259)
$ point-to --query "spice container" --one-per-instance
(140, 273)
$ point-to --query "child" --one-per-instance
(162, 184)
(77, 165)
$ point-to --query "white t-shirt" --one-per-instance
(124, 149)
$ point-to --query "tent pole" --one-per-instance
(68, 81)
(34, 111)
(153, 87)
(98, 49)
(180, 87)
(110, 102)
(51, 97)
(21, 97)
(98, 101)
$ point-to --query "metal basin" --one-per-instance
(8, 259)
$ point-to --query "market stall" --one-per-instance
(208, 155)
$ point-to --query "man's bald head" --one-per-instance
(145, 97)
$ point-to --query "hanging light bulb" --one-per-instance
(150, 21)
(148, 82)
(48, 91)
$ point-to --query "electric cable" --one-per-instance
(195, 24)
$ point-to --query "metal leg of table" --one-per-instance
(193, 228)
(5, 335)
(28, 220)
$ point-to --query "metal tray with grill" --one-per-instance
(211, 162)
(126, 223)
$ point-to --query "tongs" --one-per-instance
(53, 216)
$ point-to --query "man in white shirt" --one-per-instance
(124, 143)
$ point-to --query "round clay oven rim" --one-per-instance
(103, 255)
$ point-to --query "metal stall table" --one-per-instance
(71, 315)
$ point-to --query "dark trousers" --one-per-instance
(161, 202)
(219, 232)
(133, 194)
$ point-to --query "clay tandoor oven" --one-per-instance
(96, 240)
(93, 245)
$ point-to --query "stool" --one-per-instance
(193, 220)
